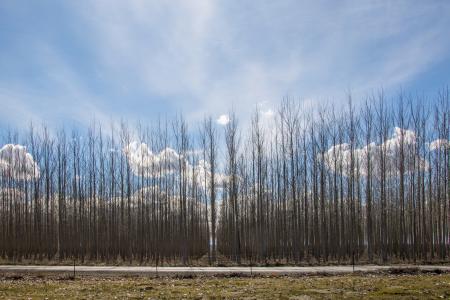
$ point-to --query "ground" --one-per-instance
(353, 286)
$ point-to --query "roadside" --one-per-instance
(153, 271)
(353, 286)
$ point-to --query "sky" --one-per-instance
(70, 62)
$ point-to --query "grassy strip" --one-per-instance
(309, 287)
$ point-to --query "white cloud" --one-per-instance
(203, 175)
(17, 163)
(206, 56)
(340, 155)
(268, 113)
(223, 120)
(144, 162)
(439, 143)
(407, 136)
(194, 40)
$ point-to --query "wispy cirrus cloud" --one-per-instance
(68, 62)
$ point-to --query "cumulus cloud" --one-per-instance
(144, 162)
(339, 156)
(439, 144)
(409, 139)
(17, 163)
(203, 175)
(223, 120)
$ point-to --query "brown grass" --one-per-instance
(407, 286)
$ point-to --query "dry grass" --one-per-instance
(408, 286)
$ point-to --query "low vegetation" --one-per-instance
(355, 286)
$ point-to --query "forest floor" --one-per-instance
(417, 285)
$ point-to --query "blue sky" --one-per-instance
(67, 62)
